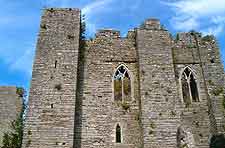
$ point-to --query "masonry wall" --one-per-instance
(50, 118)
(10, 107)
(158, 92)
(213, 74)
(100, 112)
(195, 116)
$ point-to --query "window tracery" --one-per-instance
(189, 87)
(122, 84)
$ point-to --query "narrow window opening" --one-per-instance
(56, 63)
(51, 105)
(122, 84)
(118, 134)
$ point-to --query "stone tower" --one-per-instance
(50, 118)
(146, 90)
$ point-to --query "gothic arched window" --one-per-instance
(118, 134)
(122, 84)
(189, 87)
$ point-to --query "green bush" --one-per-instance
(13, 138)
(20, 91)
(208, 38)
(125, 106)
(217, 91)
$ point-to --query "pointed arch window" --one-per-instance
(122, 84)
(189, 87)
(118, 134)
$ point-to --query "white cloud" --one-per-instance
(96, 6)
(215, 30)
(218, 19)
(93, 10)
(205, 15)
(24, 63)
(199, 7)
(185, 24)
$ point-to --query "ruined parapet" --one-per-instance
(108, 33)
(108, 45)
(10, 108)
(153, 24)
(131, 35)
(185, 48)
(50, 118)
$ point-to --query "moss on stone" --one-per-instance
(208, 38)
(125, 105)
(217, 91)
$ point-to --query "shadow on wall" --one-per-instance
(79, 91)
(217, 141)
(78, 106)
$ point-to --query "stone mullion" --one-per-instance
(122, 90)
(189, 89)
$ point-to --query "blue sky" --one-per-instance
(20, 19)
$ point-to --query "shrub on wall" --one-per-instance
(13, 138)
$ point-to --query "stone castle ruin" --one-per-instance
(146, 90)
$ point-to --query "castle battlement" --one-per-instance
(152, 23)
(108, 33)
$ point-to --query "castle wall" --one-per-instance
(205, 117)
(10, 107)
(100, 112)
(158, 90)
(72, 102)
(50, 118)
(213, 74)
(195, 116)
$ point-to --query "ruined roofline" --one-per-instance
(149, 24)
(8, 86)
(152, 24)
(61, 9)
(108, 33)
(4, 90)
(179, 36)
